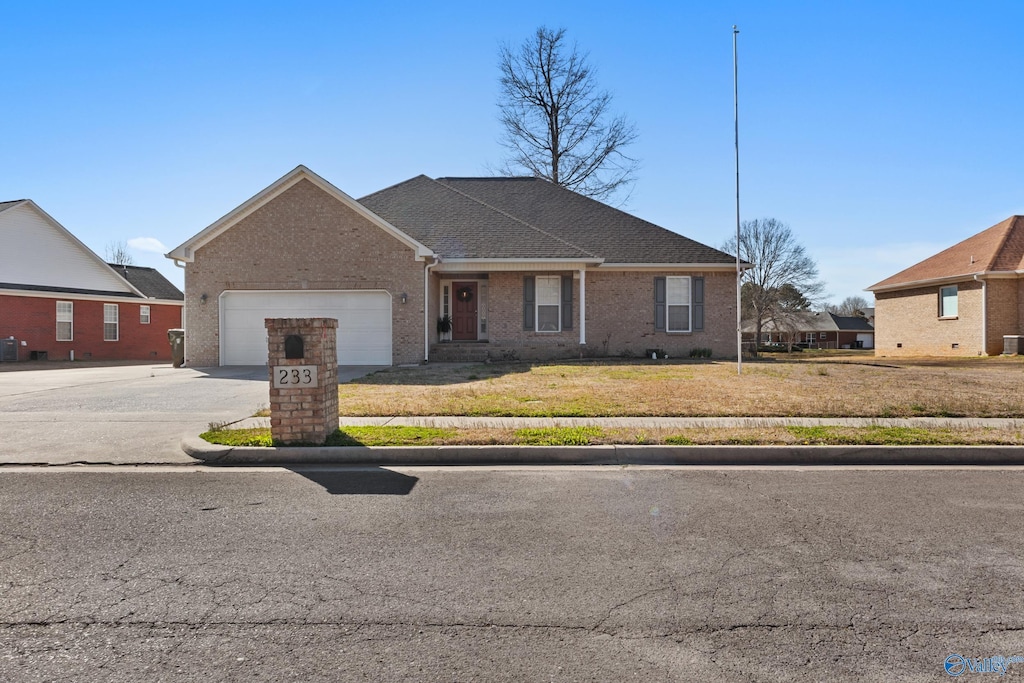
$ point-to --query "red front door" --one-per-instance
(464, 311)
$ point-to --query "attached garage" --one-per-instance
(364, 323)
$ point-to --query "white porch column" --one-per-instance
(583, 306)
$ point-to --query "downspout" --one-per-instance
(583, 306)
(984, 315)
(426, 307)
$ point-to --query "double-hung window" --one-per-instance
(65, 320)
(144, 314)
(549, 298)
(110, 322)
(677, 301)
(948, 302)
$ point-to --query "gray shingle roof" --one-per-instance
(459, 226)
(527, 218)
(6, 205)
(149, 281)
(812, 321)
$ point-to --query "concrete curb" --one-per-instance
(605, 455)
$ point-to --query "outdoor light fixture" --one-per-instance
(405, 297)
(202, 298)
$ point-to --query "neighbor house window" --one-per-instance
(677, 301)
(549, 299)
(144, 315)
(947, 302)
(65, 320)
(109, 322)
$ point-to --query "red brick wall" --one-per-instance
(34, 320)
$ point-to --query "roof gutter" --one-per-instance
(937, 281)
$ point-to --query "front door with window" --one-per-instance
(464, 309)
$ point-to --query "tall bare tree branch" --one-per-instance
(783, 278)
(117, 252)
(557, 124)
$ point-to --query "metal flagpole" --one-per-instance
(739, 272)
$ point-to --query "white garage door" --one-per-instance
(364, 323)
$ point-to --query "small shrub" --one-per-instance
(700, 352)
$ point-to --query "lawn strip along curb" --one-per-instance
(604, 455)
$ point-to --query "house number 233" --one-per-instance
(294, 376)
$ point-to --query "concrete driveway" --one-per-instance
(123, 414)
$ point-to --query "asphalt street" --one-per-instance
(506, 574)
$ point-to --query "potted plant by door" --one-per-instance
(444, 328)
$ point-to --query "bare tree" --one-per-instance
(783, 278)
(557, 122)
(117, 252)
(850, 306)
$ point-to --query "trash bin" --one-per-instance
(177, 340)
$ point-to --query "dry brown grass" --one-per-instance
(822, 386)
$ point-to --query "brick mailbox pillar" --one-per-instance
(303, 362)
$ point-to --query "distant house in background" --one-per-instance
(817, 331)
(60, 301)
(961, 302)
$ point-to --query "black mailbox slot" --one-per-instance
(293, 346)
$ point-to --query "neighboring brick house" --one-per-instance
(60, 301)
(525, 269)
(814, 330)
(961, 302)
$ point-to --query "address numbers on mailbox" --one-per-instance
(294, 376)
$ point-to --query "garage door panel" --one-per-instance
(364, 323)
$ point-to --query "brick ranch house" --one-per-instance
(816, 330)
(524, 268)
(959, 302)
(60, 301)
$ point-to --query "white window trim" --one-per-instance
(70, 321)
(116, 322)
(942, 308)
(537, 304)
(144, 314)
(669, 305)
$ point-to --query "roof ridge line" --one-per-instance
(1010, 228)
(516, 219)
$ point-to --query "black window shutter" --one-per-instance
(567, 302)
(659, 304)
(698, 303)
(529, 301)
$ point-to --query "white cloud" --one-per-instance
(148, 244)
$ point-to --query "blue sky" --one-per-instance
(881, 132)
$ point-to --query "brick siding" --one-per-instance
(911, 318)
(620, 317)
(303, 239)
(34, 320)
